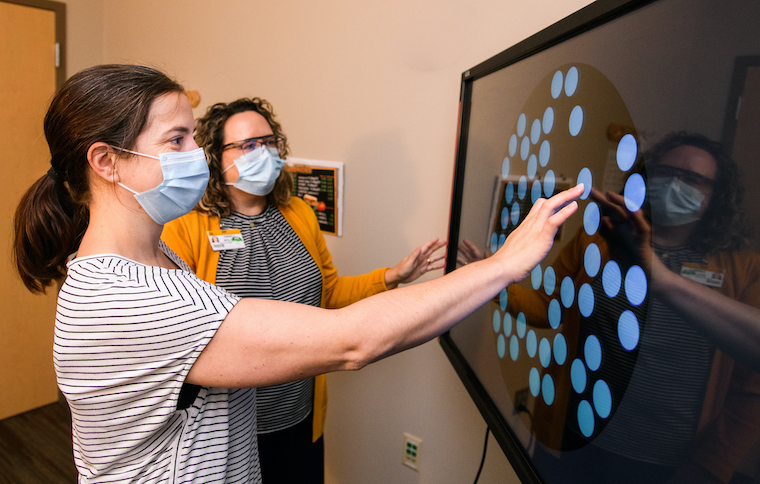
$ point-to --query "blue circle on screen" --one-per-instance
(515, 213)
(592, 260)
(585, 418)
(612, 279)
(586, 300)
(535, 277)
(634, 192)
(496, 321)
(549, 181)
(591, 218)
(578, 376)
(509, 192)
(501, 346)
(520, 325)
(534, 381)
(547, 389)
(627, 151)
(522, 187)
(575, 122)
(504, 218)
(592, 352)
(602, 398)
(514, 348)
(555, 314)
(507, 324)
(585, 177)
(522, 122)
(531, 343)
(544, 152)
(512, 145)
(550, 280)
(525, 148)
(494, 242)
(557, 82)
(628, 330)
(545, 352)
(535, 191)
(571, 81)
(560, 349)
(503, 299)
(535, 131)
(532, 166)
(502, 239)
(505, 167)
(567, 291)
(635, 285)
(548, 121)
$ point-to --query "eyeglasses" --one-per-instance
(250, 144)
(687, 176)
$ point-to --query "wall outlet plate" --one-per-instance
(412, 448)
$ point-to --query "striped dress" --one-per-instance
(126, 335)
(273, 265)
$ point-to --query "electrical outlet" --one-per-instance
(412, 447)
(521, 400)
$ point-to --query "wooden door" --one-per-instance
(28, 75)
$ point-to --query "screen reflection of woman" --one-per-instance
(688, 413)
(284, 258)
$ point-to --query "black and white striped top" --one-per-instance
(273, 265)
(657, 419)
(126, 335)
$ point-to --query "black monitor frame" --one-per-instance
(586, 19)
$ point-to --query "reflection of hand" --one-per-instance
(411, 267)
(529, 243)
(467, 252)
(629, 234)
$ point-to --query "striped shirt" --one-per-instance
(126, 336)
(273, 265)
(657, 418)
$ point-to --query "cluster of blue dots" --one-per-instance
(511, 333)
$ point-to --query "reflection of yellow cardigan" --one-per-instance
(187, 237)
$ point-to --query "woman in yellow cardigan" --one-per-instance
(249, 236)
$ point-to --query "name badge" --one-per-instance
(225, 239)
(702, 276)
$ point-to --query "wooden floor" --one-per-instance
(35, 447)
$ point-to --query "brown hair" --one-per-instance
(209, 133)
(107, 103)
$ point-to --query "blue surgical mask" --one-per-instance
(185, 179)
(257, 170)
(673, 202)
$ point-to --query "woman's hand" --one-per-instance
(529, 243)
(468, 252)
(411, 267)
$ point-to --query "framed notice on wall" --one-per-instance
(320, 184)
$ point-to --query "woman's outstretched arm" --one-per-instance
(265, 342)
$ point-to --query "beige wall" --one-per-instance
(375, 85)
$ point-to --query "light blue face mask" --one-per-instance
(257, 170)
(673, 202)
(185, 179)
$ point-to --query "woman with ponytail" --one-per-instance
(159, 367)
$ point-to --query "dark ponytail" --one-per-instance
(109, 104)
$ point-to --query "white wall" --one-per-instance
(375, 85)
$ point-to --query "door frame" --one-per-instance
(60, 32)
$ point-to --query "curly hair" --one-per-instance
(209, 134)
(722, 227)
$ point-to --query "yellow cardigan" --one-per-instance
(187, 237)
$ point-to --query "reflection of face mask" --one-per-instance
(185, 179)
(673, 202)
(257, 170)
